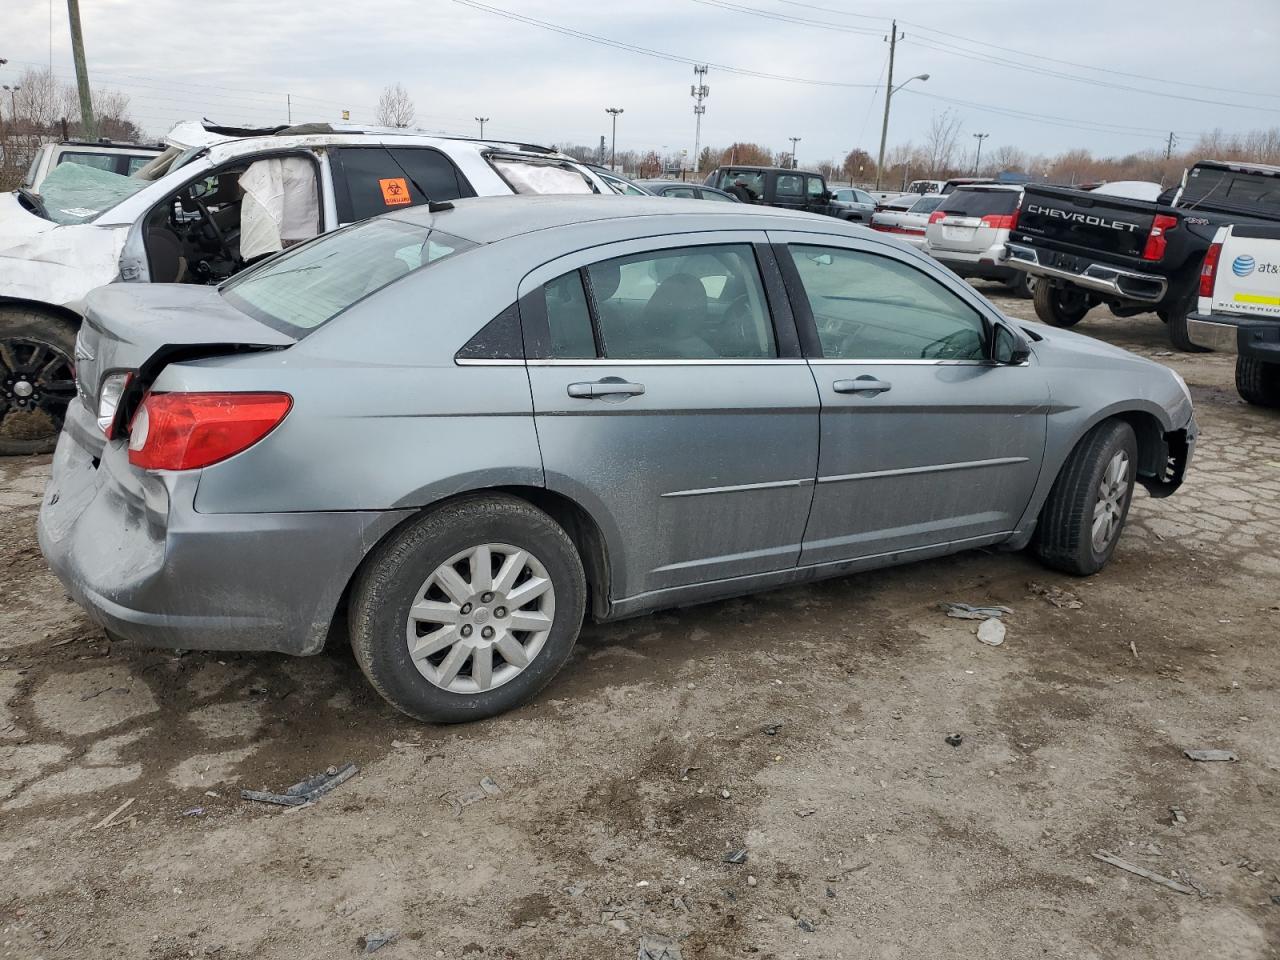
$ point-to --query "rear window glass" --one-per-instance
(979, 203)
(540, 176)
(1208, 187)
(927, 204)
(310, 285)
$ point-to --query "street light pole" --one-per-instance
(889, 91)
(794, 141)
(613, 152)
(978, 158)
(482, 121)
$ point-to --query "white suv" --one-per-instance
(215, 201)
(968, 230)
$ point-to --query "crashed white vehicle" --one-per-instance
(215, 201)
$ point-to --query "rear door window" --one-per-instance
(685, 192)
(373, 180)
(569, 318)
(790, 185)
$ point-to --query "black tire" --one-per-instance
(1174, 313)
(37, 353)
(1258, 383)
(391, 578)
(1058, 305)
(1064, 535)
(1020, 285)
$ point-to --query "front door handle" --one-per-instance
(863, 384)
(607, 387)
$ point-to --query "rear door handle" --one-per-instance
(608, 387)
(863, 384)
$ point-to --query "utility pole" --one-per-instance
(888, 92)
(288, 106)
(600, 155)
(699, 91)
(794, 141)
(978, 158)
(82, 72)
(482, 121)
(613, 153)
(1168, 150)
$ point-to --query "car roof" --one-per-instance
(986, 187)
(491, 219)
(752, 166)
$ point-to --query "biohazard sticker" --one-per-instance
(394, 191)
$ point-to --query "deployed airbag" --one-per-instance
(280, 205)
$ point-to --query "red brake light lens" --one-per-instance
(1156, 241)
(1209, 271)
(186, 431)
(999, 221)
(936, 216)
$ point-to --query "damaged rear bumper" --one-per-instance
(132, 550)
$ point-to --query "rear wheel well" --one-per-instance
(572, 518)
(36, 306)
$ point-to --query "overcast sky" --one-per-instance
(235, 60)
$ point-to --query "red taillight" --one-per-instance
(1156, 242)
(999, 221)
(185, 431)
(936, 216)
(1209, 271)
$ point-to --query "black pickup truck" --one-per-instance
(1134, 255)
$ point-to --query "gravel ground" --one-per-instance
(805, 725)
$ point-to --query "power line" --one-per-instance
(787, 18)
(649, 52)
(1038, 56)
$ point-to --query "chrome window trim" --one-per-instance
(824, 362)
(740, 487)
(932, 468)
(709, 362)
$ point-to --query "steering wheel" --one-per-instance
(954, 346)
(738, 321)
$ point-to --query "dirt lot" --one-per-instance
(624, 786)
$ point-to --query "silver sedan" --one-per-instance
(455, 431)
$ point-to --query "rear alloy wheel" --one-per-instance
(37, 380)
(1060, 305)
(1258, 383)
(1081, 521)
(469, 611)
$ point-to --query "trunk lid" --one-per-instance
(139, 328)
(1084, 221)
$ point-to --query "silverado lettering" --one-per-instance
(1077, 217)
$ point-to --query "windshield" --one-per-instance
(308, 286)
(76, 193)
(927, 203)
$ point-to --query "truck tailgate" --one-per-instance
(1076, 220)
(1248, 274)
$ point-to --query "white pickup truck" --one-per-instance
(1239, 307)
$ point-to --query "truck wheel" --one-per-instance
(469, 611)
(1257, 382)
(1176, 317)
(1058, 305)
(37, 379)
(1081, 521)
(1021, 285)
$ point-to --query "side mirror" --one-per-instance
(1009, 347)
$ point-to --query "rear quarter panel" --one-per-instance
(382, 417)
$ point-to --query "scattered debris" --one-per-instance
(1275, 898)
(1178, 815)
(725, 793)
(98, 693)
(751, 881)
(575, 891)
(1141, 871)
(964, 611)
(305, 791)
(831, 894)
(736, 856)
(488, 788)
(685, 771)
(1062, 599)
(806, 812)
(955, 739)
(1208, 756)
(841, 874)
(679, 904)
(654, 946)
(773, 728)
(110, 819)
(1133, 648)
(806, 925)
(194, 812)
(991, 632)
(373, 942)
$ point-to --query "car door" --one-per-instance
(671, 400)
(924, 441)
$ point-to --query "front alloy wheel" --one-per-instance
(37, 380)
(1113, 498)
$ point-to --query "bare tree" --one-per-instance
(1006, 157)
(940, 143)
(39, 99)
(395, 108)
